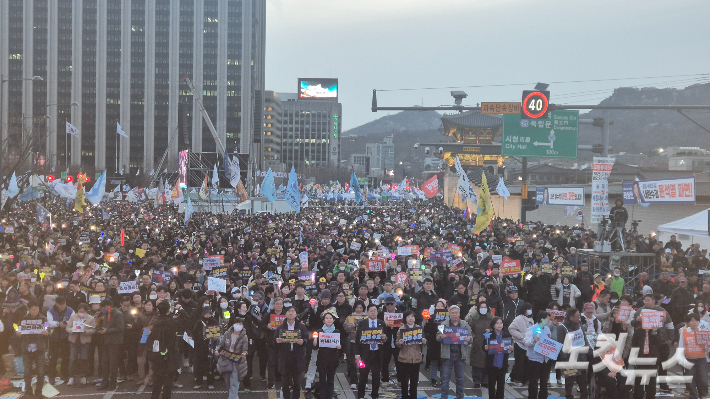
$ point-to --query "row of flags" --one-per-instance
(71, 129)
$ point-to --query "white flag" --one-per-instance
(215, 180)
(120, 131)
(502, 190)
(234, 172)
(71, 129)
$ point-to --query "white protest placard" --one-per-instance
(343, 221)
(303, 257)
(328, 340)
(78, 327)
(127, 287)
(210, 263)
(31, 326)
(497, 259)
(376, 236)
(651, 319)
(404, 251)
(216, 284)
(548, 347)
(355, 245)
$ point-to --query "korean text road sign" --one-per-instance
(556, 137)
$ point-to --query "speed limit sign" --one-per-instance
(535, 104)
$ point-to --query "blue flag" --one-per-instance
(189, 210)
(98, 190)
(268, 187)
(293, 196)
(42, 214)
(355, 185)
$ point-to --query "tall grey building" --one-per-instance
(381, 156)
(123, 61)
(310, 127)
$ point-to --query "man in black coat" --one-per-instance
(369, 352)
(292, 355)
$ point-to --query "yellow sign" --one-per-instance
(500, 108)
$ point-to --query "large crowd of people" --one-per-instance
(129, 292)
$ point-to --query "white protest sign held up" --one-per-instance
(328, 340)
(127, 287)
(216, 284)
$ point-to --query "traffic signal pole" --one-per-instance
(523, 196)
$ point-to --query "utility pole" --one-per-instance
(524, 193)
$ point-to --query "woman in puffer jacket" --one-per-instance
(517, 329)
(232, 352)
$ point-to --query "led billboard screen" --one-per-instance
(318, 89)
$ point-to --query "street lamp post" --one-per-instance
(3, 133)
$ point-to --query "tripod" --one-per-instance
(616, 237)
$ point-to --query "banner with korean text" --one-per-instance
(679, 190)
(601, 169)
(567, 196)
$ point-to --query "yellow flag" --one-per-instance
(79, 200)
(140, 252)
(483, 219)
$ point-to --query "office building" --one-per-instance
(271, 137)
(110, 61)
(311, 124)
(381, 156)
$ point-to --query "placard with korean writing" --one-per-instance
(624, 313)
(509, 266)
(415, 274)
(601, 170)
(393, 320)
(210, 263)
(32, 326)
(372, 336)
(454, 335)
(308, 278)
(219, 272)
(702, 337)
(355, 319)
(375, 265)
(565, 196)
(651, 319)
(412, 336)
(440, 316)
(548, 347)
(212, 332)
(679, 190)
(556, 315)
(290, 337)
(216, 284)
(500, 108)
(127, 287)
(276, 320)
(567, 270)
(494, 347)
(328, 340)
(692, 349)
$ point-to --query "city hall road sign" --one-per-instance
(556, 137)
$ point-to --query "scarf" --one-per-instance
(330, 329)
(498, 357)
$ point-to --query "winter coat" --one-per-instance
(530, 334)
(518, 328)
(328, 358)
(165, 331)
(241, 346)
(411, 354)
(446, 348)
(573, 295)
(489, 359)
(285, 348)
(113, 323)
(89, 328)
(608, 327)
(352, 328)
(510, 310)
(479, 324)
(494, 301)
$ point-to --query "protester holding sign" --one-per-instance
(571, 330)
(433, 352)
(350, 325)
(368, 341)
(81, 326)
(393, 318)
(270, 322)
(454, 354)
(202, 334)
(695, 354)
(32, 343)
(328, 358)
(232, 352)
(648, 339)
(497, 345)
(568, 293)
(410, 355)
(479, 320)
(517, 330)
(292, 355)
(539, 364)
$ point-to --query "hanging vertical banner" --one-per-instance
(600, 188)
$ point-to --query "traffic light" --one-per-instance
(535, 104)
(69, 179)
(50, 178)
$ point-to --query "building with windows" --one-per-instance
(123, 61)
(271, 137)
(360, 163)
(381, 157)
(310, 133)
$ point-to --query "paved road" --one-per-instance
(342, 388)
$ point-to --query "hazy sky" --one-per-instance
(396, 44)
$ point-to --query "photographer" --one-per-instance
(166, 359)
(619, 216)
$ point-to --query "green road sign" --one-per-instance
(363, 181)
(556, 137)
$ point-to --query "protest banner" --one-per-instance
(290, 337)
(127, 287)
(372, 336)
(612, 359)
(403, 251)
(624, 313)
(566, 196)
(601, 170)
(497, 258)
(328, 340)
(393, 320)
(219, 272)
(162, 276)
(567, 271)
(233, 357)
(693, 350)
(556, 315)
(210, 263)
(375, 265)
(401, 277)
(303, 257)
(494, 347)
(276, 320)
(454, 335)
(245, 274)
(546, 268)
(440, 316)
(412, 336)
(679, 190)
(548, 347)
(415, 274)
(354, 245)
(509, 266)
(216, 284)
(354, 320)
(456, 265)
(308, 278)
(651, 319)
(35, 326)
(413, 249)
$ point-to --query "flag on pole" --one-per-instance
(483, 219)
(12, 189)
(97, 191)
(120, 131)
(402, 185)
(355, 185)
(215, 180)
(268, 187)
(235, 172)
(203, 190)
(431, 187)
(71, 129)
(226, 165)
(293, 196)
(79, 199)
(241, 192)
(189, 210)
(176, 195)
(502, 190)
(42, 214)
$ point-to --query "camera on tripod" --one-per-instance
(635, 223)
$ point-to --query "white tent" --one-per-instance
(691, 229)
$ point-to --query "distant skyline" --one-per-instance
(406, 44)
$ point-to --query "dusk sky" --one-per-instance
(410, 44)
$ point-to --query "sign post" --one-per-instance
(556, 137)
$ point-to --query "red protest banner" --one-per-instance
(401, 277)
(624, 313)
(276, 320)
(375, 265)
(509, 266)
(431, 187)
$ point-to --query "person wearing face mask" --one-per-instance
(224, 313)
(202, 348)
(479, 320)
(256, 333)
(701, 310)
(80, 327)
(517, 329)
(568, 292)
(616, 282)
(538, 364)
(232, 351)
